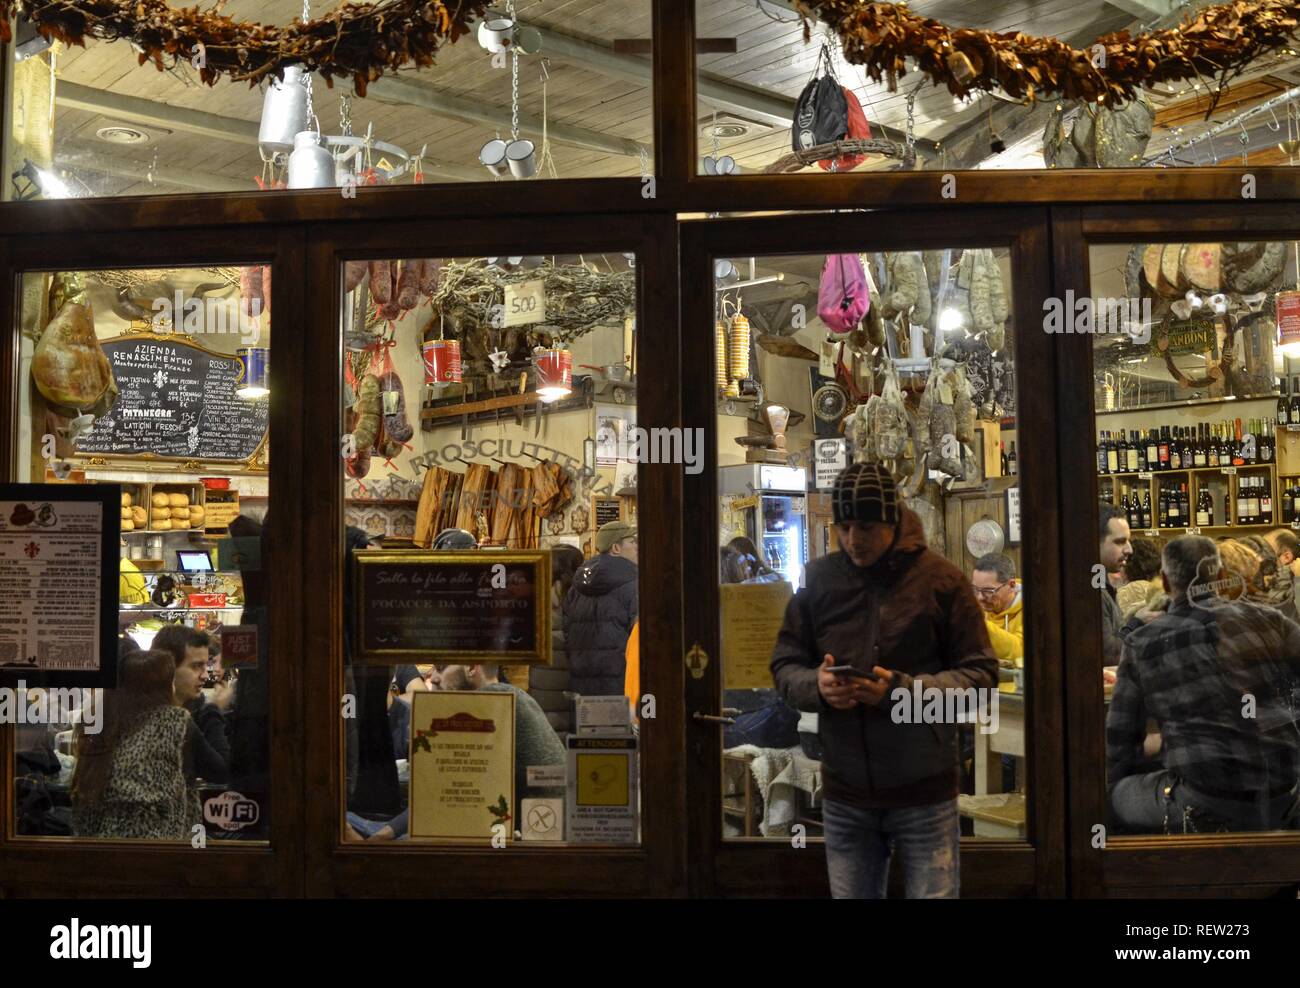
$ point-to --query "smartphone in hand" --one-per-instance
(851, 672)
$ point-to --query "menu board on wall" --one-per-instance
(463, 765)
(417, 605)
(58, 583)
(751, 619)
(176, 400)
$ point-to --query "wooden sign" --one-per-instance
(176, 401)
(525, 303)
(414, 604)
(220, 509)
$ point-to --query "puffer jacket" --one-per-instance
(547, 684)
(921, 614)
(599, 612)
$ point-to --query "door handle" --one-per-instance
(712, 718)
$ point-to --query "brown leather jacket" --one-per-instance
(914, 613)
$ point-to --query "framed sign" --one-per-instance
(752, 614)
(605, 509)
(463, 765)
(830, 457)
(176, 401)
(1013, 516)
(416, 605)
(59, 583)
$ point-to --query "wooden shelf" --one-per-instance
(365, 502)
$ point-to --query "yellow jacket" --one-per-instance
(632, 677)
(1007, 632)
(131, 588)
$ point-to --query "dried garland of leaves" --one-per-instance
(1218, 41)
(577, 298)
(358, 40)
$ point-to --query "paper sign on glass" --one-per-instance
(751, 619)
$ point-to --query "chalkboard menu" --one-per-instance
(421, 606)
(605, 509)
(176, 400)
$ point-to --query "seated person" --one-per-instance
(998, 592)
(129, 780)
(1188, 670)
(409, 681)
(1141, 578)
(536, 742)
(207, 746)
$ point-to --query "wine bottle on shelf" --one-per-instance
(1242, 503)
(1283, 412)
(1152, 451)
(1204, 509)
(1288, 503)
(1163, 497)
(1146, 509)
(1237, 459)
(1101, 454)
(1184, 505)
(1112, 455)
(1202, 458)
(1140, 444)
(1101, 464)
(1265, 501)
(1134, 447)
(1293, 408)
(1253, 507)
(1211, 446)
(1225, 451)
(1162, 450)
(1012, 461)
(1176, 450)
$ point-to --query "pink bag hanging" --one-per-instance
(843, 298)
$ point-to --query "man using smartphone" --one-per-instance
(882, 613)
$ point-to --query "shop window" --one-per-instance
(490, 453)
(154, 384)
(754, 65)
(1198, 486)
(919, 387)
(92, 121)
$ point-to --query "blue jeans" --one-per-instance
(860, 842)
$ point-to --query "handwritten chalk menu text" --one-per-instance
(454, 606)
(56, 600)
(176, 400)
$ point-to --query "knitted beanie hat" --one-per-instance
(865, 492)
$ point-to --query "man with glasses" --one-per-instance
(599, 612)
(998, 592)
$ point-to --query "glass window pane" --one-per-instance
(156, 380)
(490, 469)
(918, 391)
(94, 122)
(1198, 485)
(754, 67)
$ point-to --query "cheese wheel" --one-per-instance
(161, 501)
(1170, 270)
(161, 514)
(1201, 266)
(140, 517)
(126, 499)
(163, 525)
(1151, 265)
(178, 501)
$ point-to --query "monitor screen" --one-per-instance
(194, 561)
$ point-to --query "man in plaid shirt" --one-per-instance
(1216, 675)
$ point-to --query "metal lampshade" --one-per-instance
(554, 369)
(284, 112)
(311, 166)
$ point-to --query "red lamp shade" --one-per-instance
(441, 362)
(554, 373)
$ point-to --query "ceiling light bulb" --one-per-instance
(950, 319)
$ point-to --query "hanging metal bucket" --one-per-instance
(523, 161)
(284, 112)
(493, 155)
(311, 166)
